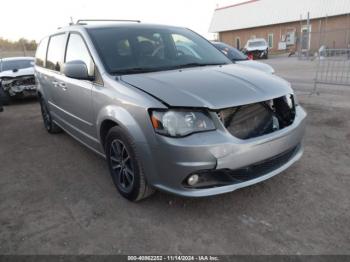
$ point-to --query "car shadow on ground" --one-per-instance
(22, 101)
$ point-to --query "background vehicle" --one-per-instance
(257, 48)
(192, 125)
(16, 78)
(238, 57)
(1, 104)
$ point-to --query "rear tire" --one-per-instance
(49, 125)
(125, 166)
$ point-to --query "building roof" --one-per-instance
(256, 13)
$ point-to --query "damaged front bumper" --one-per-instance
(224, 162)
(19, 86)
(257, 54)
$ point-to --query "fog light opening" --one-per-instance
(193, 180)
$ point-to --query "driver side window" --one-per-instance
(185, 46)
(77, 50)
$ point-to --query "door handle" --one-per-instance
(63, 85)
(55, 83)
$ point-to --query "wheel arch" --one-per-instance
(111, 116)
(106, 125)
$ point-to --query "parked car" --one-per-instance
(257, 48)
(16, 78)
(238, 57)
(162, 118)
(1, 105)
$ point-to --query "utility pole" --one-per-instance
(300, 36)
(348, 33)
(24, 48)
(326, 31)
(308, 34)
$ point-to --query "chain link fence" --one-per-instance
(333, 67)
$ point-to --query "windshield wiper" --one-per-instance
(136, 70)
(196, 65)
(140, 70)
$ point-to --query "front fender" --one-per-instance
(39, 89)
(124, 119)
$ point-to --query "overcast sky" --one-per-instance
(37, 18)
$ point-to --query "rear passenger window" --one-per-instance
(40, 55)
(77, 50)
(55, 53)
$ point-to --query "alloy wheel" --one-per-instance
(121, 165)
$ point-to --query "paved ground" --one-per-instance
(56, 197)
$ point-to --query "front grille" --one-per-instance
(258, 119)
(28, 80)
(223, 177)
(264, 167)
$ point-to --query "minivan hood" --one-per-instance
(213, 87)
(257, 65)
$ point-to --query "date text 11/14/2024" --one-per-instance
(173, 258)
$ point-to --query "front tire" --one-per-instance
(49, 125)
(125, 166)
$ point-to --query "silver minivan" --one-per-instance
(165, 119)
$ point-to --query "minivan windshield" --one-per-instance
(15, 64)
(132, 50)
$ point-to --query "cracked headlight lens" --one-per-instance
(180, 123)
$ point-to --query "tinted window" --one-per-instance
(135, 50)
(257, 43)
(185, 46)
(77, 50)
(231, 52)
(40, 55)
(56, 52)
(15, 64)
(185, 50)
(237, 55)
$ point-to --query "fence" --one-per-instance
(21, 47)
(309, 43)
(333, 67)
(4, 53)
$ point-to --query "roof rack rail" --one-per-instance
(82, 21)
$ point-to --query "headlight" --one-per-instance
(295, 98)
(291, 100)
(179, 123)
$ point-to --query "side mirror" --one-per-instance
(77, 69)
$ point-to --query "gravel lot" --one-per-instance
(56, 197)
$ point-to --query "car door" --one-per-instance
(75, 97)
(53, 65)
(40, 71)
